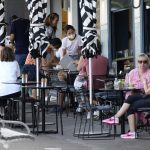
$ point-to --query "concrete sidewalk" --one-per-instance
(69, 142)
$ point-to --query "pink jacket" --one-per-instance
(134, 79)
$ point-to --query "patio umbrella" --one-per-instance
(37, 33)
(2, 23)
(88, 15)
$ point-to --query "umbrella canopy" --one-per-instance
(37, 33)
(88, 15)
(2, 23)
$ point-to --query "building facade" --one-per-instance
(124, 31)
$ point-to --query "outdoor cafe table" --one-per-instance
(42, 99)
(122, 98)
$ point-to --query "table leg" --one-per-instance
(123, 117)
(23, 105)
(43, 108)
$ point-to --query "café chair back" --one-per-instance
(8, 135)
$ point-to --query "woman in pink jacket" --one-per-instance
(138, 78)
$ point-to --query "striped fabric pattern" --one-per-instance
(37, 33)
(88, 15)
(2, 23)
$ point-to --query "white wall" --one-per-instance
(73, 14)
(56, 6)
(137, 33)
(48, 6)
(104, 26)
(15, 7)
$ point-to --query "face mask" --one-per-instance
(72, 36)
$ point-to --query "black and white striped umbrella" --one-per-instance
(37, 34)
(2, 23)
(88, 15)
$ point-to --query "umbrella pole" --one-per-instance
(90, 92)
(90, 79)
(37, 76)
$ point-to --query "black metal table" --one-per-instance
(42, 101)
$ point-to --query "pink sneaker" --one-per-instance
(112, 120)
(129, 135)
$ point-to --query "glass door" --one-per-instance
(121, 34)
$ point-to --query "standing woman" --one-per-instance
(9, 72)
(51, 25)
(71, 44)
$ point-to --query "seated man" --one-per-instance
(99, 67)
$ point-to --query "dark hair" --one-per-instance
(51, 16)
(7, 54)
(68, 27)
(56, 42)
(13, 17)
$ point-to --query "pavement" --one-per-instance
(69, 142)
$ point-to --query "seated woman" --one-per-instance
(9, 72)
(139, 78)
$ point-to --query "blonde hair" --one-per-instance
(62, 76)
(145, 56)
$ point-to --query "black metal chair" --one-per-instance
(52, 107)
(106, 102)
(141, 127)
(91, 128)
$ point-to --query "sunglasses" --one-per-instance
(142, 61)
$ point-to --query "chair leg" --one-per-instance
(33, 116)
(74, 131)
(61, 123)
(91, 128)
(38, 118)
(9, 110)
(81, 119)
(56, 119)
(18, 113)
(67, 105)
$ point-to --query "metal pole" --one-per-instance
(90, 79)
(37, 76)
(90, 91)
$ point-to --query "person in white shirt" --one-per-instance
(71, 44)
(9, 72)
